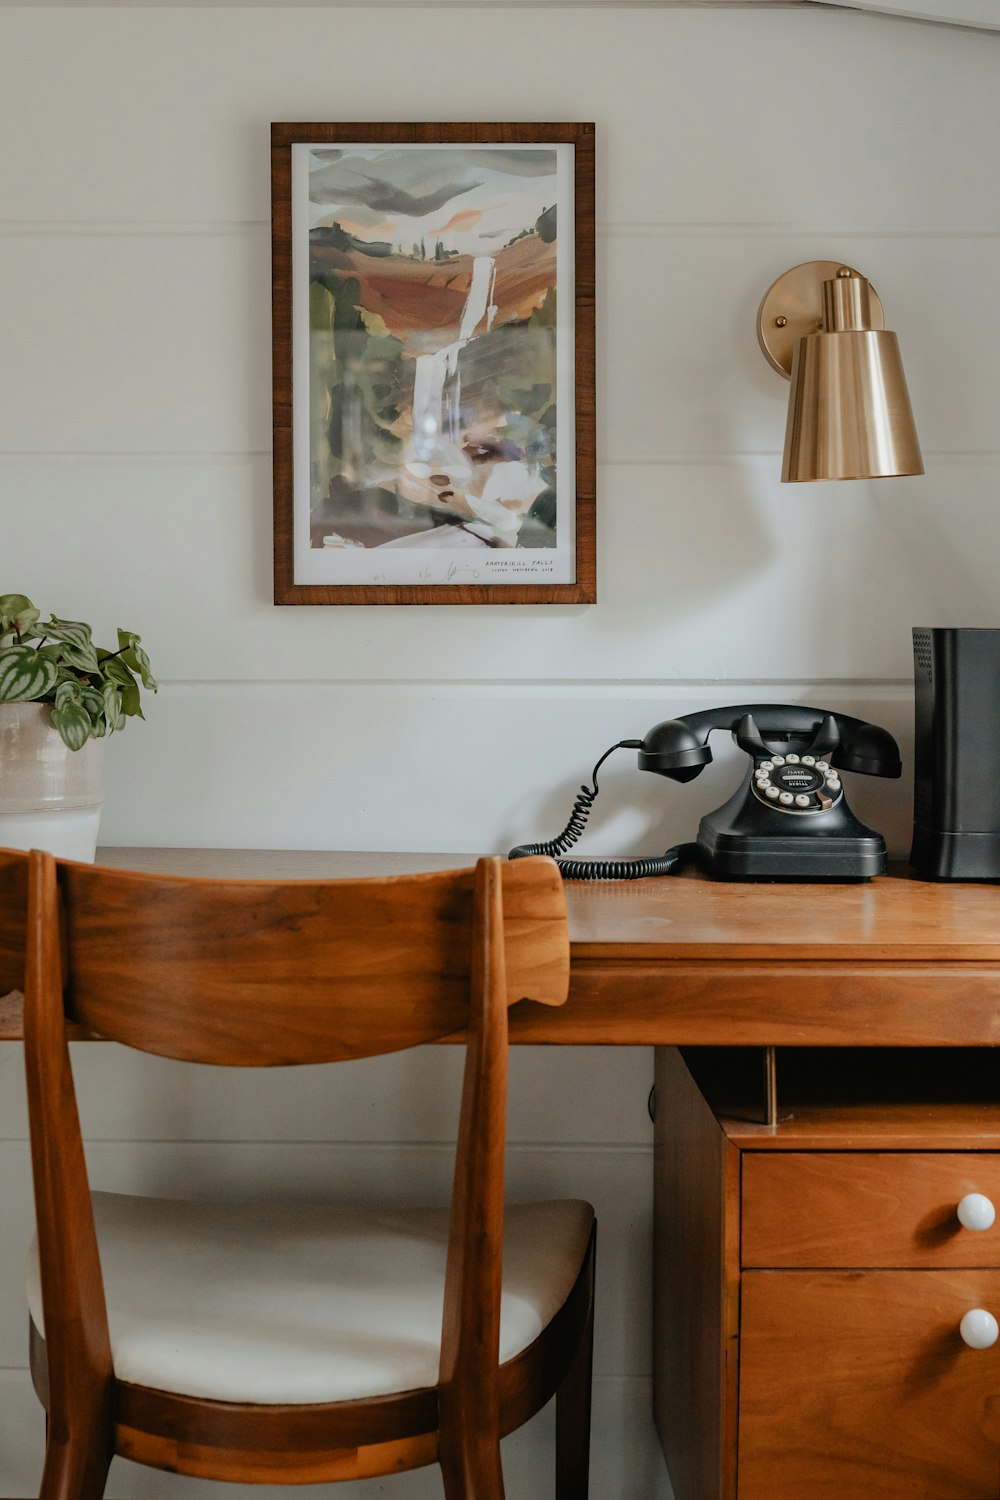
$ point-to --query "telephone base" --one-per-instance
(749, 857)
(790, 879)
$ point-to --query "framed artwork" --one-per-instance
(433, 322)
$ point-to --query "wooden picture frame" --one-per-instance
(433, 363)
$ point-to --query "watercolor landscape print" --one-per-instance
(433, 369)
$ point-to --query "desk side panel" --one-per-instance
(695, 1287)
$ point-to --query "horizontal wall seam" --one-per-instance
(130, 228)
(135, 455)
(627, 229)
(687, 459)
(703, 458)
(410, 5)
(752, 230)
(532, 687)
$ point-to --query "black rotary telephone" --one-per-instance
(789, 819)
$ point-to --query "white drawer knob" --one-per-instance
(975, 1211)
(979, 1328)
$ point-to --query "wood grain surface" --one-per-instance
(343, 961)
(894, 917)
(856, 1384)
(696, 1288)
(866, 1208)
(963, 1126)
(689, 961)
(13, 915)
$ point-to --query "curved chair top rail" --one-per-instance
(264, 973)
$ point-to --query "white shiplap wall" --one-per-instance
(135, 489)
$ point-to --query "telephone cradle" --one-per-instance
(789, 818)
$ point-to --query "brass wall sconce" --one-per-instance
(849, 416)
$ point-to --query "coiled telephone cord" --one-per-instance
(602, 869)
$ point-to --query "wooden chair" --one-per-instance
(299, 1344)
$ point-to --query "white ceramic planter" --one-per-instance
(50, 796)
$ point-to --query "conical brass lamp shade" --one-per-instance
(849, 412)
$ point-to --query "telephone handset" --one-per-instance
(789, 818)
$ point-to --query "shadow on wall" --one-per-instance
(949, 557)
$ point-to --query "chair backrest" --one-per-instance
(13, 918)
(263, 973)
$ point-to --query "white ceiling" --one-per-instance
(983, 14)
(433, 4)
(335, 4)
(980, 13)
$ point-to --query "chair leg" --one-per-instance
(75, 1470)
(474, 1472)
(573, 1413)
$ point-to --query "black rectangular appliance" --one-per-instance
(956, 769)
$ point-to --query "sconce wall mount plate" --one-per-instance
(792, 307)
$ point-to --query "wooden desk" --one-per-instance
(896, 962)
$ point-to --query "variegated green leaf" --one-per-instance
(69, 630)
(135, 657)
(26, 676)
(17, 616)
(92, 701)
(77, 647)
(11, 605)
(113, 669)
(131, 704)
(80, 658)
(68, 691)
(73, 723)
(113, 706)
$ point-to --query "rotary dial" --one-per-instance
(796, 784)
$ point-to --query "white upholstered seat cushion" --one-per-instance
(305, 1303)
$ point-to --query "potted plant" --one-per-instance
(60, 696)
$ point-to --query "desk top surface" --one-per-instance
(895, 917)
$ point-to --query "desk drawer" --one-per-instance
(846, 1208)
(857, 1386)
